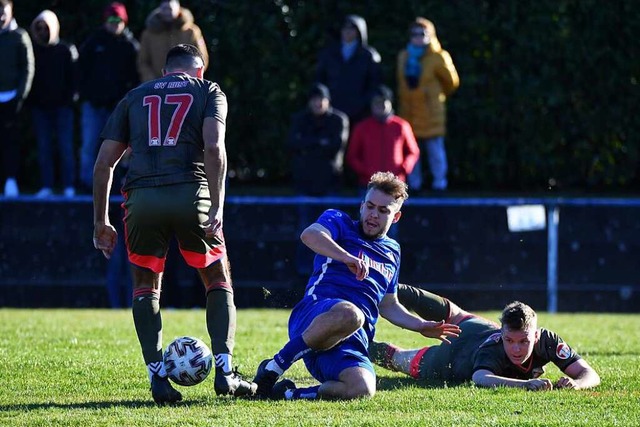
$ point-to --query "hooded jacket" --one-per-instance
(108, 67)
(351, 82)
(159, 37)
(425, 106)
(55, 78)
(17, 68)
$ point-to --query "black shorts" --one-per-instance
(153, 215)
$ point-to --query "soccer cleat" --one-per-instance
(265, 379)
(278, 391)
(163, 392)
(232, 384)
(381, 353)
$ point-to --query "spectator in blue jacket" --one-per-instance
(51, 99)
(350, 69)
(107, 72)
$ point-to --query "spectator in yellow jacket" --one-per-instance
(166, 26)
(426, 77)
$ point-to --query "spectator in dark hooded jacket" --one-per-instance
(107, 72)
(350, 69)
(16, 76)
(52, 96)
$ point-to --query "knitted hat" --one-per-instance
(318, 89)
(116, 9)
(383, 92)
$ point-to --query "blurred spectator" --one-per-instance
(15, 82)
(107, 72)
(317, 141)
(426, 76)
(167, 26)
(383, 142)
(350, 69)
(51, 99)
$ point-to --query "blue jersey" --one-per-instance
(332, 279)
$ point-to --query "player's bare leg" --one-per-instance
(323, 333)
(430, 306)
(221, 324)
(148, 323)
(354, 383)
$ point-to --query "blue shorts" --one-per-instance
(327, 365)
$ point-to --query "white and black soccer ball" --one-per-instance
(188, 361)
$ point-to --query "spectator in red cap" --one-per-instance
(116, 10)
(107, 72)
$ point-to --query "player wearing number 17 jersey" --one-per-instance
(174, 128)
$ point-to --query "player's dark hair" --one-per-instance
(182, 57)
(4, 3)
(389, 184)
(518, 316)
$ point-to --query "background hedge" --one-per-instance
(549, 90)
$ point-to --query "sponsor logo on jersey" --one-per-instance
(378, 266)
(563, 351)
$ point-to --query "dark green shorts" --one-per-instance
(454, 362)
(153, 215)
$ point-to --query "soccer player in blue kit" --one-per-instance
(355, 280)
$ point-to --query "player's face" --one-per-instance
(378, 211)
(518, 345)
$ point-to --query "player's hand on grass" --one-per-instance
(439, 330)
(539, 384)
(566, 382)
(104, 238)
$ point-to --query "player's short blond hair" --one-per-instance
(389, 184)
(518, 316)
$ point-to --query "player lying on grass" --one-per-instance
(512, 354)
(355, 278)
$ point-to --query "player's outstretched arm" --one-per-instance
(319, 240)
(391, 309)
(486, 378)
(580, 375)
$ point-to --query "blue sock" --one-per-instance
(305, 393)
(292, 351)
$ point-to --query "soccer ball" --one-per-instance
(187, 361)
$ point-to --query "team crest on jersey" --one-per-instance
(563, 351)
(492, 338)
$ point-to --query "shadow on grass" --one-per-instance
(393, 383)
(111, 404)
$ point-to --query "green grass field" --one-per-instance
(84, 368)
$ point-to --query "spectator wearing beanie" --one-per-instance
(107, 72)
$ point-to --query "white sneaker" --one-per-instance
(11, 188)
(69, 192)
(44, 193)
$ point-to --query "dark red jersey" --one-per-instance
(161, 120)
